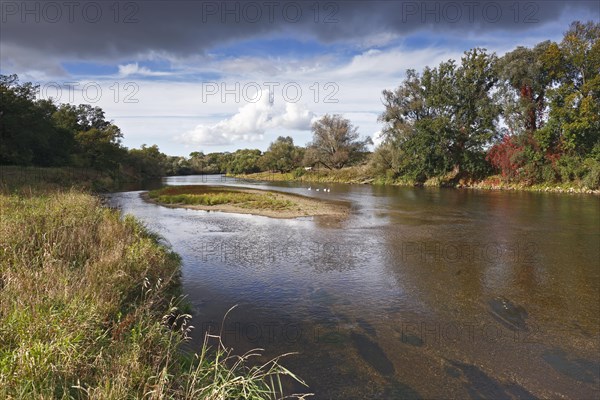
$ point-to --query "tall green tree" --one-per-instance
(574, 116)
(526, 75)
(97, 141)
(443, 119)
(243, 162)
(28, 135)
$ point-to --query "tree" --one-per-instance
(443, 119)
(574, 116)
(243, 162)
(27, 133)
(197, 161)
(176, 165)
(97, 141)
(473, 111)
(100, 148)
(282, 155)
(216, 163)
(526, 76)
(335, 143)
(148, 162)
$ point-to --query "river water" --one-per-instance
(420, 293)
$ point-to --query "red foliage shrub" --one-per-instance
(502, 156)
(516, 157)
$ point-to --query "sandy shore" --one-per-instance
(302, 206)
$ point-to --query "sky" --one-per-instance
(223, 75)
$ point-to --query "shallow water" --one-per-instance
(420, 293)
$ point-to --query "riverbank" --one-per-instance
(83, 293)
(245, 201)
(349, 175)
(361, 175)
(90, 308)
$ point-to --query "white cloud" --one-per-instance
(135, 69)
(228, 125)
(394, 62)
(378, 39)
(180, 115)
(250, 123)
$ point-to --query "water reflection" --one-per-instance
(421, 293)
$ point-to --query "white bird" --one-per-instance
(317, 190)
(310, 188)
(328, 190)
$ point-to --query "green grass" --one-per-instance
(496, 182)
(355, 174)
(89, 309)
(211, 196)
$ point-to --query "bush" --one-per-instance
(518, 158)
(548, 174)
(592, 178)
(570, 168)
(298, 172)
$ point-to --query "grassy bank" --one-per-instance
(362, 175)
(74, 311)
(89, 310)
(38, 179)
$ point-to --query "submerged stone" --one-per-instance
(508, 314)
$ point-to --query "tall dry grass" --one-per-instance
(87, 310)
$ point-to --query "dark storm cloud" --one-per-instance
(126, 30)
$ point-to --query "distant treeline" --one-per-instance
(38, 132)
(531, 116)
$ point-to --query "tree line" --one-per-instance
(38, 132)
(530, 116)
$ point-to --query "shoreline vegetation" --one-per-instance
(90, 307)
(359, 175)
(245, 201)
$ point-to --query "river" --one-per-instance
(420, 293)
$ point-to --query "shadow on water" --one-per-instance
(412, 340)
(372, 354)
(580, 369)
(366, 326)
(481, 386)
